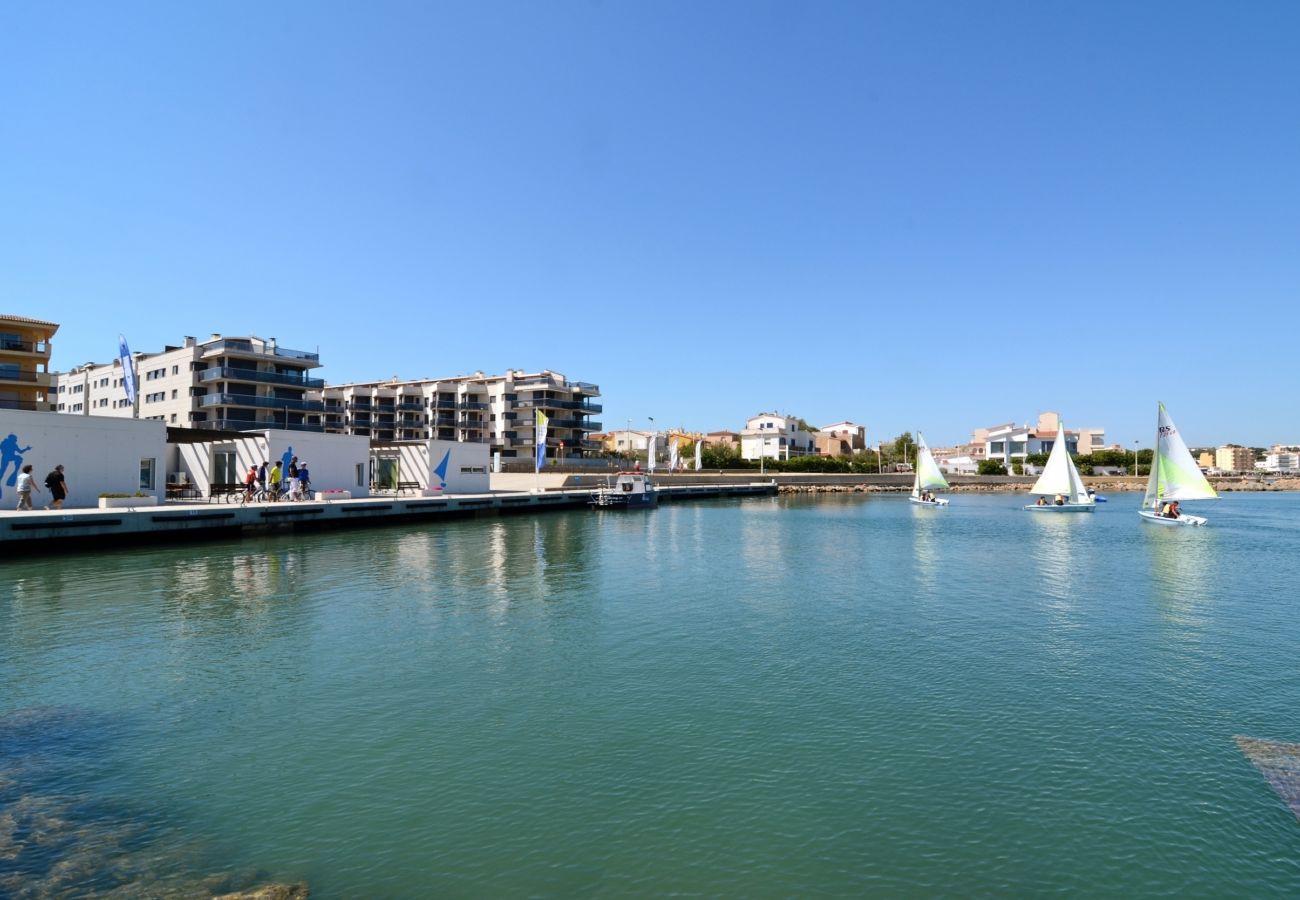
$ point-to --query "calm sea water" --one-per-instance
(781, 696)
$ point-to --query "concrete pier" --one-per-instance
(45, 531)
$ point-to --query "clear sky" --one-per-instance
(933, 215)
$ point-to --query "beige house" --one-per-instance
(840, 439)
(25, 380)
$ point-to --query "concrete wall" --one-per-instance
(466, 472)
(99, 454)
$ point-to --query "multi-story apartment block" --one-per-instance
(226, 383)
(499, 410)
(774, 436)
(25, 375)
(1232, 458)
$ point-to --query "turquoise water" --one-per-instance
(780, 696)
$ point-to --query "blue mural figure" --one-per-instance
(10, 452)
(441, 471)
(284, 463)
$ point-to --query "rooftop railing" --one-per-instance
(235, 346)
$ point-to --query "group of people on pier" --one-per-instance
(282, 482)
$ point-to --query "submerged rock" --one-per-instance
(270, 892)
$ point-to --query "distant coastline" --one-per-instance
(809, 485)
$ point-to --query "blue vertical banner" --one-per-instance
(542, 422)
(128, 369)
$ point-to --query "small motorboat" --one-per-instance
(629, 490)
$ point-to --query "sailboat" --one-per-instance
(1060, 479)
(928, 477)
(1174, 477)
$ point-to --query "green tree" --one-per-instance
(904, 447)
(992, 467)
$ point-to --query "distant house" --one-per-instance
(1010, 443)
(774, 436)
(840, 439)
(722, 439)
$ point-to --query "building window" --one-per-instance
(176, 370)
(361, 474)
(225, 467)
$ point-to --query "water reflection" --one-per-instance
(925, 524)
(1182, 564)
(1052, 550)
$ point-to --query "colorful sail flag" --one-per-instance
(128, 369)
(542, 422)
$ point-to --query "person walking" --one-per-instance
(261, 478)
(58, 486)
(292, 475)
(250, 483)
(304, 481)
(26, 484)
(276, 476)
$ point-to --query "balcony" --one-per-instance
(411, 406)
(12, 373)
(228, 373)
(258, 425)
(545, 403)
(10, 403)
(230, 346)
(445, 421)
(210, 400)
(472, 404)
(442, 404)
(10, 345)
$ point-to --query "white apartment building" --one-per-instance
(498, 410)
(223, 383)
(774, 436)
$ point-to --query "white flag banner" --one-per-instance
(672, 455)
(650, 453)
(699, 445)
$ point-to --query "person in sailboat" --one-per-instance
(1059, 501)
(1171, 510)
(1042, 501)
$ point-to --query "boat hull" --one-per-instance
(1064, 508)
(1157, 519)
(938, 501)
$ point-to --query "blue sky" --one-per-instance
(912, 215)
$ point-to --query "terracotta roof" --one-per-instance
(13, 318)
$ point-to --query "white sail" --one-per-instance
(928, 475)
(1059, 475)
(1174, 474)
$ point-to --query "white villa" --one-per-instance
(1010, 442)
(774, 436)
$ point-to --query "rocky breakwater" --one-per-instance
(60, 838)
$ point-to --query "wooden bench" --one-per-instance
(412, 486)
(224, 489)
